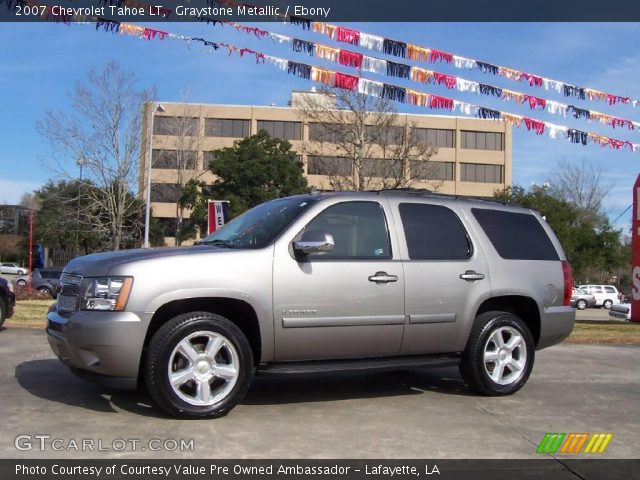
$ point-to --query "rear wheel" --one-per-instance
(198, 365)
(45, 290)
(21, 282)
(581, 304)
(499, 355)
(20, 272)
(607, 304)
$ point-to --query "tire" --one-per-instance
(21, 282)
(486, 331)
(607, 304)
(581, 304)
(20, 272)
(3, 311)
(45, 290)
(179, 346)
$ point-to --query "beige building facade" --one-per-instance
(473, 155)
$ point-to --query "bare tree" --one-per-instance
(181, 158)
(582, 184)
(101, 133)
(360, 143)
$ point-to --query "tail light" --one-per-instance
(568, 283)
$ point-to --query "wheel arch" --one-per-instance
(522, 306)
(240, 312)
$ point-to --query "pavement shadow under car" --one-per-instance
(51, 380)
(281, 389)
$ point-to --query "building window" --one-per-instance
(477, 172)
(435, 137)
(282, 130)
(335, 166)
(324, 132)
(177, 126)
(432, 170)
(433, 232)
(227, 127)
(174, 159)
(382, 168)
(167, 226)
(384, 134)
(482, 140)
(165, 192)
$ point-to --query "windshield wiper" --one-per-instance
(219, 243)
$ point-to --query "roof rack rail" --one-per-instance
(431, 193)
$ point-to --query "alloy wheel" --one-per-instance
(505, 355)
(203, 368)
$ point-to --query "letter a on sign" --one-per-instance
(635, 254)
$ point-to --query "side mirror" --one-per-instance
(314, 241)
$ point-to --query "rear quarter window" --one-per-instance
(516, 236)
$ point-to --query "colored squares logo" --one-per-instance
(574, 442)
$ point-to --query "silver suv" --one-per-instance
(321, 282)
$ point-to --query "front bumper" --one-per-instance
(107, 344)
(556, 324)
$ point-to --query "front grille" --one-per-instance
(69, 292)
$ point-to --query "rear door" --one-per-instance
(445, 274)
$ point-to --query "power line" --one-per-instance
(625, 211)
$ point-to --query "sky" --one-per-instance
(40, 64)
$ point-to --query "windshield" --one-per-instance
(259, 226)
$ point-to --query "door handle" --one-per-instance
(471, 276)
(383, 277)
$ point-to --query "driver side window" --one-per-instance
(359, 231)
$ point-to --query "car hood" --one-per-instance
(101, 264)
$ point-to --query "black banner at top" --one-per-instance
(302, 11)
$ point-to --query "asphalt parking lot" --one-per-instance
(410, 414)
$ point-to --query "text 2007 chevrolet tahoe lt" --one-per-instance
(321, 282)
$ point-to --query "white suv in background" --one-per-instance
(606, 295)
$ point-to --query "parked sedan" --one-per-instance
(621, 311)
(13, 268)
(582, 300)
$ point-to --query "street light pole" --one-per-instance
(147, 218)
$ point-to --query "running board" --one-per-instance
(360, 364)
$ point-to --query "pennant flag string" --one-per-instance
(384, 67)
(392, 92)
(430, 55)
(355, 83)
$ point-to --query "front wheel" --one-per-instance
(499, 355)
(20, 272)
(21, 283)
(198, 365)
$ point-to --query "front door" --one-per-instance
(345, 303)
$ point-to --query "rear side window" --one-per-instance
(516, 236)
(433, 232)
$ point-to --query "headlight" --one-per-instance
(105, 293)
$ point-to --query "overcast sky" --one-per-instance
(40, 64)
